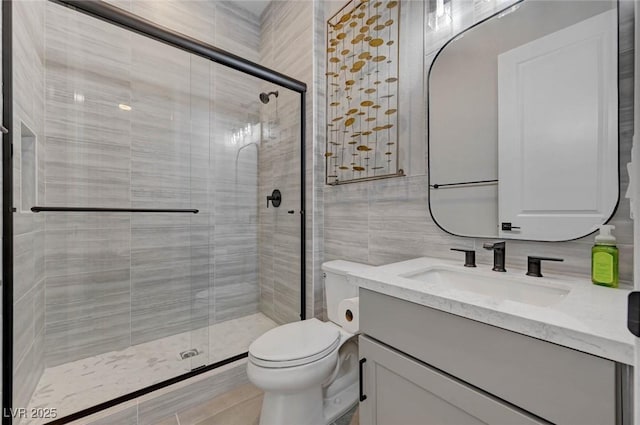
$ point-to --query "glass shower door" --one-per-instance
(144, 247)
(112, 215)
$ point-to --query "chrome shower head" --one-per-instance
(264, 97)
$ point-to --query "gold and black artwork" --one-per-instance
(362, 91)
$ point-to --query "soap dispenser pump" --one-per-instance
(604, 258)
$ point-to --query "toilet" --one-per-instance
(308, 370)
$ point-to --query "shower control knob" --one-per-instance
(275, 198)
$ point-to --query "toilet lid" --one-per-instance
(296, 343)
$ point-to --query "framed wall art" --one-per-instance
(362, 92)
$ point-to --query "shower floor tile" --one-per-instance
(80, 384)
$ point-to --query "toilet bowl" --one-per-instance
(295, 383)
(308, 370)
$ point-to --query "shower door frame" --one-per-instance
(129, 21)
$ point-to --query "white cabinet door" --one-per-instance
(402, 391)
(559, 94)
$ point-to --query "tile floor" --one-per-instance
(240, 406)
(73, 386)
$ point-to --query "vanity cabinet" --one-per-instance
(402, 391)
(425, 366)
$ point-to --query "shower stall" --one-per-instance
(139, 246)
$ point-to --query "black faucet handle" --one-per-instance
(469, 256)
(494, 245)
(534, 264)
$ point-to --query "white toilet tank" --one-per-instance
(336, 287)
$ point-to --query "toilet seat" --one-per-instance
(294, 344)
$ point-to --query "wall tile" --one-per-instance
(78, 330)
(289, 24)
(156, 270)
(28, 80)
(23, 326)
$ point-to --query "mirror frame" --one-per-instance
(428, 124)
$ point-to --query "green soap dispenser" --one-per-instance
(604, 258)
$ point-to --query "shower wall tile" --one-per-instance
(88, 143)
(111, 279)
(191, 18)
(30, 365)
(234, 290)
(287, 23)
(38, 251)
(161, 276)
(28, 86)
(23, 326)
(87, 261)
(200, 95)
(237, 31)
(266, 274)
(38, 309)
(25, 377)
(161, 127)
(28, 56)
(38, 357)
(23, 267)
(236, 300)
(23, 223)
(85, 250)
(235, 282)
(82, 330)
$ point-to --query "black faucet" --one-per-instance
(534, 268)
(498, 249)
(469, 256)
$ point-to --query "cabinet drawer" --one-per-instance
(402, 391)
(564, 386)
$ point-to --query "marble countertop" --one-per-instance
(589, 318)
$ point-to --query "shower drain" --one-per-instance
(188, 353)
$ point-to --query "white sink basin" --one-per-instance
(498, 286)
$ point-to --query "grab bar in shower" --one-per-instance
(133, 210)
